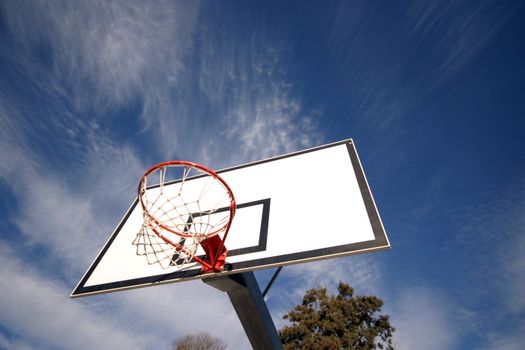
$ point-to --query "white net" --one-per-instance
(183, 204)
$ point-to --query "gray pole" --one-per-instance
(248, 302)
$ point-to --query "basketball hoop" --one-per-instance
(196, 209)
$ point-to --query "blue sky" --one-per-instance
(433, 93)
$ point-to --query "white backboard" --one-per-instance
(304, 206)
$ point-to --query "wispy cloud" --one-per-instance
(455, 33)
(391, 60)
(513, 264)
(106, 53)
(106, 64)
(423, 320)
(16, 343)
(508, 339)
(269, 125)
(65, 210)
(485, 249)
(495, 222)
(194, 89)
(35, 307)
(497, 225)
(240, 105)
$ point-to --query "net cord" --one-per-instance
(163, 214)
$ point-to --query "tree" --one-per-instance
(344, 321)
(199, 341)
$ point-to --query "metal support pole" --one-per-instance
(274, 277)
(247, 300)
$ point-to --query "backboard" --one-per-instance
(304, 206)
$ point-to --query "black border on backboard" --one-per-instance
(380, 241)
